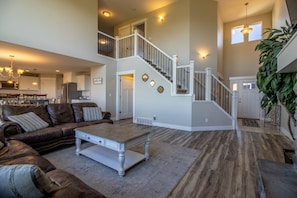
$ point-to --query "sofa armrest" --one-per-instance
(106, 115)
(11, 128)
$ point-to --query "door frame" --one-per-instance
(118, 91)
(139, 22)
(234, 85)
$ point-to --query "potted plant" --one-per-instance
(276, 87)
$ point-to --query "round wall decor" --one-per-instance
(145, 77)
(160, 89)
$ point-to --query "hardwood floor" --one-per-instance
(226, 166)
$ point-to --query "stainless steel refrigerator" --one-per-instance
(69, 92)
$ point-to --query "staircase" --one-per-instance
(180, 89)
(203, 85)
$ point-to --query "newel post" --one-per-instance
(208, 84)
(117, 52)
(135, 42)
(191, 77)
(174, 64)
(234, 109)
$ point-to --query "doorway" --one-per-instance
(125, 96)
(248, 97)
(140, 27)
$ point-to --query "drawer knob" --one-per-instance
(99, 141)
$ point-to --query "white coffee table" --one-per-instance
(111, 145)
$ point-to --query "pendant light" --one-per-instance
(246, 29)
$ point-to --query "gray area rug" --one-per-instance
(153, 178)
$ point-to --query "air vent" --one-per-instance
(145, 121)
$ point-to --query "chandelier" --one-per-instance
(246, 29)
(9, 72)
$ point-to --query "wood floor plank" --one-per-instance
(226, 166)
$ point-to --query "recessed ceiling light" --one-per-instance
(57, 70)
(106, 13)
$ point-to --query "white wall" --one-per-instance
(241, 59)
(220, 45)
(67, 27)
(171, 35)
(104, 94)
(190, 26)
(169, 111)
(203, 34)
(280, 14)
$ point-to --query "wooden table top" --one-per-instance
(113, 132)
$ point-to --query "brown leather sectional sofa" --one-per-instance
(18, 153)
(62, 120)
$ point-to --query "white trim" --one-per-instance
(144, 21)
(243, 78)
(212, 128)
(189, 128)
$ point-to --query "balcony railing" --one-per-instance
(137, 45)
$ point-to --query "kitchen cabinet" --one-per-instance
(26, 83)
(48, 86)
(83, 82)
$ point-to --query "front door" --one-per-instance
(248, 97)
(248, 100)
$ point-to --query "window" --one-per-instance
(256, 34)
(236, 35)
(249, 85)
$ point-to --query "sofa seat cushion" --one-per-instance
(25, 181)
(41, 111)
(68, 128)
(17, 149)
(60, 113)
(39, 135)
(29, 121)
(37, 160)
(81, 124)
(66, 179)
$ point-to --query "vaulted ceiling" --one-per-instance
(230, 10)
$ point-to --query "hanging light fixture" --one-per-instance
(9, 72)
(246, 29)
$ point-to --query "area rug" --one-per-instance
(153, 178)
(250, 122)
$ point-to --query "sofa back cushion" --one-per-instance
(60, 113)
(41, 111)
(78, 110)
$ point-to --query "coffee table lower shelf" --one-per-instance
(110, 157)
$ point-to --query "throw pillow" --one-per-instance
(92, 113)
(25, 181)
(29, 121)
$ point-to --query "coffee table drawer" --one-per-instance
(111, 144)
(90, 138)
